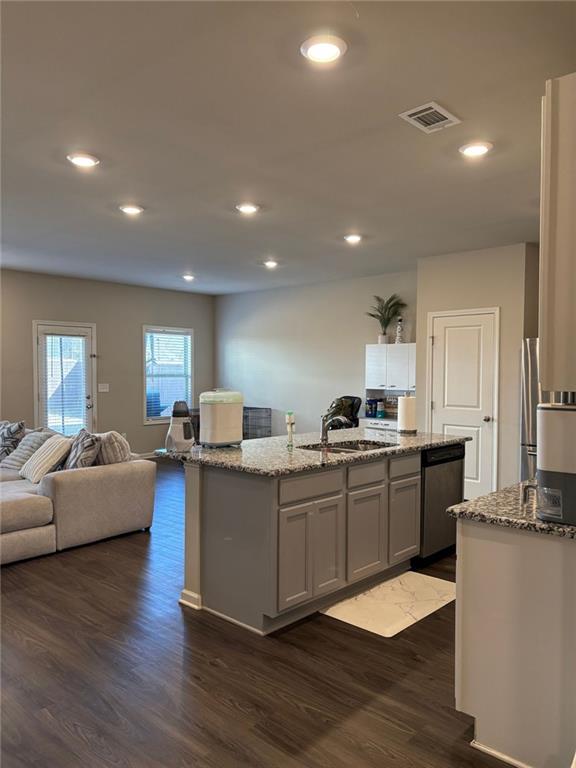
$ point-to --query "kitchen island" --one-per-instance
(516, 630)
(274, 534)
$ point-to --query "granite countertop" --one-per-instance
(505, 508)
(270, 456)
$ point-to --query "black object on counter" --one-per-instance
(347, 406)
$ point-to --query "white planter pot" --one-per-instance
(383, 338)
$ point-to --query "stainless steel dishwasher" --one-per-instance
(442, 486)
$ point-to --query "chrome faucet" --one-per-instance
(327, 422)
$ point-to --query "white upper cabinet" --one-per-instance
(397, 367)
(376, 366)
(557, 316)
(391, 366)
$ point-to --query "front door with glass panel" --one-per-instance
(64, 376)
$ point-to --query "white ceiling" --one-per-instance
(193, 107)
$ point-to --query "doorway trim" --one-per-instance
(495, 312)
(64, 324)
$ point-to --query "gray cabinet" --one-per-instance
(311, 550)
(295, 555)
(367, 544)
(329, 545)
(404, 519)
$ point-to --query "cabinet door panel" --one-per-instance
(376, 366)
(404, 513)
(397, 366)
(411, 366)
(367, 532)
(329, 527)
(295, 555)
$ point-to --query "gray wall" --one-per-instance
(503, 277)
(298, 348)
(119, 312)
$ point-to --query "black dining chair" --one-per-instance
(347, 406)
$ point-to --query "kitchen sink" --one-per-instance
(351, 446)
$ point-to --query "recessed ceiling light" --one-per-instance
(188, 278)
(247, 209)
(270, 263)
(476, 149)
(131, 210)
(323, 48)
(82, 160)
(353, 239)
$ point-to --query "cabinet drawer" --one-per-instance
(405, 465)
(380, 424)
(367, 474)
(310, 486)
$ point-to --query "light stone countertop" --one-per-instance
(270, 456)
(505, 508)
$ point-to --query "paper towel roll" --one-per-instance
(406, 414)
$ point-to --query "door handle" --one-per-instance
(487, 418)
(89, 405)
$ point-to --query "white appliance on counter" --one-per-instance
(180, 437)
(221, 418)
(556, 458)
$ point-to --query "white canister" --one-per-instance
(221, 417)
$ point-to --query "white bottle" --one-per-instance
(290, 424)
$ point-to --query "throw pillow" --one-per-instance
(46, 458)
(113, 448)
(10, 436)
(83, 451)
(26, 447)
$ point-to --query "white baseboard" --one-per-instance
(499, 755)
(191, 599)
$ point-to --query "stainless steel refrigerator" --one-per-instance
(531, 395)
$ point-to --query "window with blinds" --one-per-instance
(167, 370)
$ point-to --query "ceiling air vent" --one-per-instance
(430, 117)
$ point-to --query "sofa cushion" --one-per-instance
(18, 486)
(8, 475)
(19, 545)
(20, 510)
(114, 448)
(84, 450)
(27, 446)
(46, 458)
(10, 436)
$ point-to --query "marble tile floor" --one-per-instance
(388, 608)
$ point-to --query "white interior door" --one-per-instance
(463, 390)
(65, 375)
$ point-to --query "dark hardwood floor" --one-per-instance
(102, 667)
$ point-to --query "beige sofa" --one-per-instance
(72, 507)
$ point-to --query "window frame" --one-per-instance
(36, 325)
(147, 420)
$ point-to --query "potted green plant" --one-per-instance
(386, 311)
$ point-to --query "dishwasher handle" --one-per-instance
(442, 455)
